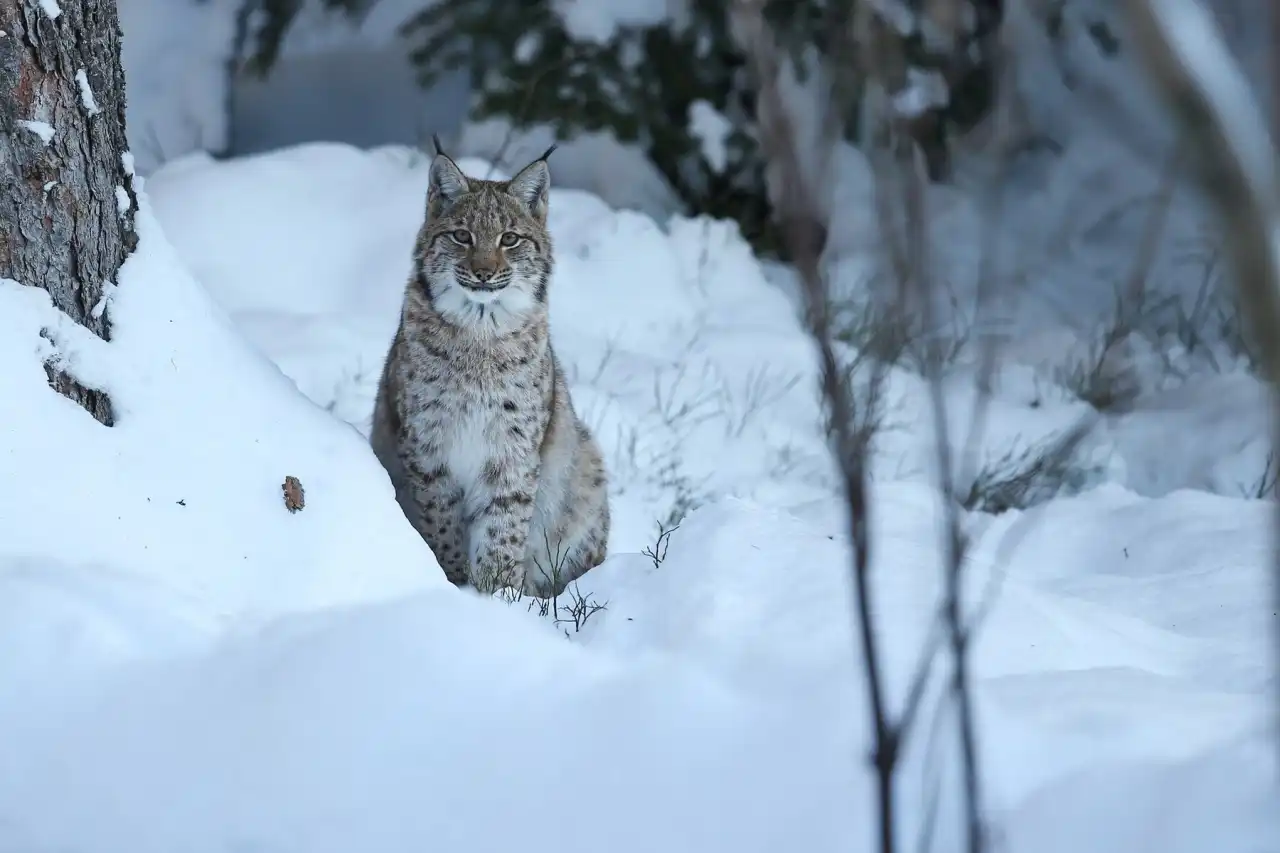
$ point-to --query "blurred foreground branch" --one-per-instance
(1233, 160)
(803, 217)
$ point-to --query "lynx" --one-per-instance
(473, 420)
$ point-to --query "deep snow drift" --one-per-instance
(185, 665)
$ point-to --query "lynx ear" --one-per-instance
(531, 184)
(446, 184)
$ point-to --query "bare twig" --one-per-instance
(900, 201)
(917, 277)
(802, 221)
(657, 552)
(910, 260)
(1265, 485)
(578, 611)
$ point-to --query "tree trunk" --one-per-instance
(66, 195)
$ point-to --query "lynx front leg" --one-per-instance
(438, 501)
(500, 527)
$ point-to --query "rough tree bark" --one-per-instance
(64, 180)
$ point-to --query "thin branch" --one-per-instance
(914, 273)
(918, 277)
(954, 545)
(803, 226)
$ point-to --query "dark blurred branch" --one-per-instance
(955, 543)
(803, 219)
(1232, 157)
(875, 51)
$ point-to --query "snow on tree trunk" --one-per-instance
(66, 194)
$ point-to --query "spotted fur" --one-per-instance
(473, 420)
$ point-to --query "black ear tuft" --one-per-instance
(439, 148)
(547, 153)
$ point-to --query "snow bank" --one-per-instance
(697, 375)
(713, 705)
(440, 720)
(673, 360)
(220, 674)
(176, 514)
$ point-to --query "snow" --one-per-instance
(51, 8)
(122, 200)
(42, 129)
(712, 130)
(100, 308)
(598, 20)
(86, 93)
(180, 501)
(923, 91)
(527, 48)
(184, 664)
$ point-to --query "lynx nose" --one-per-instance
(484, 266)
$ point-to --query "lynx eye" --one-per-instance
(509, 240)
(461, 236)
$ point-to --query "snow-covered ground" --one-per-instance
(186, 665)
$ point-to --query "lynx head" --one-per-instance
(484, 250)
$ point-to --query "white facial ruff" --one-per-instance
(492, 312)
